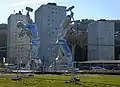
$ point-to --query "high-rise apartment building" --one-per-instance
(101, 40)
(48, 18)
(17, 48)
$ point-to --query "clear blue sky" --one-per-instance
(88, 9)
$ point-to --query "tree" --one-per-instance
(77, 39)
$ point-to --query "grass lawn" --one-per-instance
(37, 81)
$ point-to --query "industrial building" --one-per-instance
(101, 40)
(117, 40)
(48, 18)
(3, 40)
(81, 53)
(17, 48)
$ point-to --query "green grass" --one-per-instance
(117, 71)
(37, 81)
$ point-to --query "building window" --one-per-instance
(52, 20)
(52, 12)
(52, 40)
(52, 32)
(48, 23)
(48, 19)
(52, 48)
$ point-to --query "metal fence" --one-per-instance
(81, 49)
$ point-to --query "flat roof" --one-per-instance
(3, 26)
(102, 61)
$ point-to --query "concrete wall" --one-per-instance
(101, 40)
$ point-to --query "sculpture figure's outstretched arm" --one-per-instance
(65, 26)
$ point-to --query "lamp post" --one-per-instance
(73, 54)
(43, 63)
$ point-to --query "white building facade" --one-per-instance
(101, 40)
(17, 48)
(48, 19)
